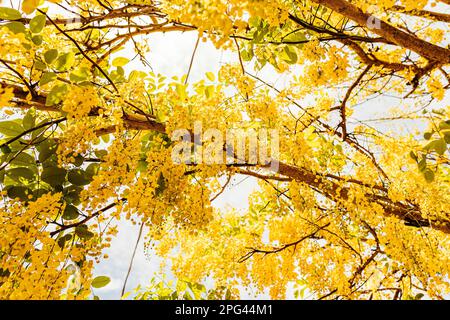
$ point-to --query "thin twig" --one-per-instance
(192, 59)
(132, 259)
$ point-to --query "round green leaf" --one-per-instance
(120, 61)
(65, 61)
(9, 14)
(100, 281)
(10, 128)
(83, 232)
(50, 55)
(47, 77)
(427, 135)
(37, 23)
(78, 177)
(70, 212)
(56, 95)
(37, 39)
(429, 175)
(46, 149)
(16, 27)
(439, 145)
(54, 175)
(20, 174)
(20, 192)
(29, 120)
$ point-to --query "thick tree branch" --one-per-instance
(436, 16)
(397, 36)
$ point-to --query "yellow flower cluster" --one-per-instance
(33, 266)
(76, 140)
(224, 18)
(6, 94)
(116, 171)
(79, 101)
(329, 71)
(12, 46)
(232, 75)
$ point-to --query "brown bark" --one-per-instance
(397, 36)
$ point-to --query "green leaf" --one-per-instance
(5, 149)
(20, 174)
(24, 160)
(16, 27)
(100, 281)
(210, 76)
(73, 197)
(70, 212)
(37, 23)
(10, 128)
(39, 65)
(65, 61)
(439, 145)
(50, 55)
(427, 135)
(47, 77)
(447, 136)
(247, 55)
(92, 169)
(37, 39)
(289, 55)
(105, 138)
(37, 193)
(100, 153)
(79, 159)
(29, 120)
(422, 164)
(56, 95)
(80, 74)
(142, 166)
(54, 175)
(9, 14)
(444, 125)
(297, 36)
(83, 232)
(120, 62)
(46, 149)
(20, 192)
(161, 185)
(429, 175)
(260, 32)
(62, 241)
(413, 156)
(78, 177)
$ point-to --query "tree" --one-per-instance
(352, 211)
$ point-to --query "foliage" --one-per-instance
(358, 209)
(164, 289)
